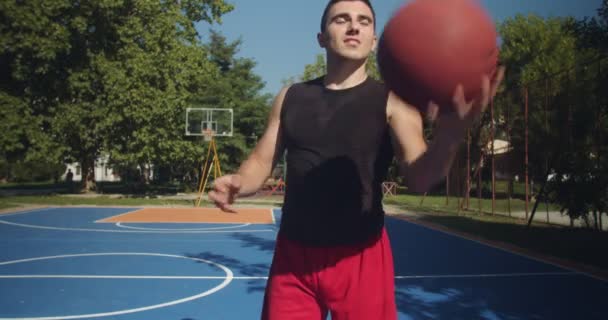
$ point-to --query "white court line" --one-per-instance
(272, 215)
(119, 215)
(119, 224)
(503, 249)
(131, 277)
(490, 275)
(27, 211)
(227, 279)
(81, 276)
(126, 231)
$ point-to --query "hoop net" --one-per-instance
(207, 134)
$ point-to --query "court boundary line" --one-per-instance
(26, 211)
(120, 225)
(274, 221)
(227, 280)
(23, 225)
(493, 245)
(134, 277)
(119, 215)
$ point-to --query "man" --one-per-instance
(341, 132)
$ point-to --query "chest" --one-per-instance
(341, 123)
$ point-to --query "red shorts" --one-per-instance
(351, 283)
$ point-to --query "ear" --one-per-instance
(321, 38)
(375, 43)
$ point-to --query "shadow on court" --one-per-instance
(447, 277)
(240, 268)
(548, 297)
(251, 241)
(250, 244)
(582, 245)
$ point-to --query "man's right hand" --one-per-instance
(225, 190)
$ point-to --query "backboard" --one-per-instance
(218, 120)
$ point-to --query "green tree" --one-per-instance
(372, 66)
(319, 68)
(33, 37)
(104, 76)
(316, 69)
(581, 182)
(535, 51)
(546, 61)
(236, 86)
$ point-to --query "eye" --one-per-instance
(365, 22)
(340, 20)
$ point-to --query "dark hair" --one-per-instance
(332, 2)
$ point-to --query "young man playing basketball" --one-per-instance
(341, 132)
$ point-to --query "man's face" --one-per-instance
(349, 30)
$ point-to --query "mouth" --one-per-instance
(352, 41)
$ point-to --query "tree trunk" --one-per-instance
(479, 181)
(510, 193)
(88, 175)
(542, 193)
(595, 220)
(546, 114)
(145, 173)
(526, 150)
(468, 189)
(509, 166)
(547, 208)
(447, 188)
(458, 187)
(493, 156)
(422, 199)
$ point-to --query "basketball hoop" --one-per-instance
(207, 134)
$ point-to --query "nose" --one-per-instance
(353, 28)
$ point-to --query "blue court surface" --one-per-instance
(57, 263)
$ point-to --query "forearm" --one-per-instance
(434, 164)
(253, 174)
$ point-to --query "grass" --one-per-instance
(579, 246)
(33, 185)
(6, 205)
(67, 200)
(450, 205)
(100, 201)
(101, 187)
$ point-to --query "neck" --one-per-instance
(344, 74)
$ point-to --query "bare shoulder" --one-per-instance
(406, 126)
(399, 110)
(277, 104)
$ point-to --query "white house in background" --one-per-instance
(500, 147)
(103, 172)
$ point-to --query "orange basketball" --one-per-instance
(428, 47)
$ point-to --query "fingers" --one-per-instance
(459, 98)
(471, 109)
(485, 97)
(489, 88)
(235, 182)
(459, 101)
(497, 80)
(432, 111)
(222, 200)
(225, 191)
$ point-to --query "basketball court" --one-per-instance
(198, 263)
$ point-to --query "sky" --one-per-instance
(280, 35)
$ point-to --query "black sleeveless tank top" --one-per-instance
(338, 152)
